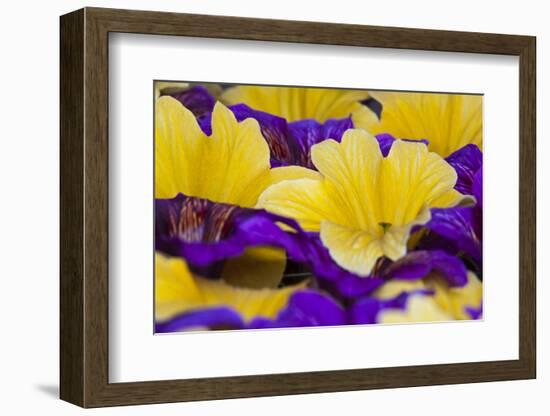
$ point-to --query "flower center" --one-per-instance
(385, 226)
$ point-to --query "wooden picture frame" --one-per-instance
(84, 207)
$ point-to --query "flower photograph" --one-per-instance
(279, 207)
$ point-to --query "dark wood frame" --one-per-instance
(84, 207)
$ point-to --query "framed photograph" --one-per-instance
(257, 207)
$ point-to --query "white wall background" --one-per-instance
(29, 158)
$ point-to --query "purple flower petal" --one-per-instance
(209, 318)
(204, 232)
(385, 141)
(475, 313)
(335, 128)
(306, 308)
(477, 211)
(459, 230)
(366, 310)
(307, 133)
(283, 148)
(467, 161)
(477, 187)
(289, 143)
(196, 99)
(419, 264)
(374, 105)
(456, 231)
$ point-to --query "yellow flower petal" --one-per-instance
(419, 309)
(178, 291)
(256, 268)
(178, 149)
(453, 198)
(455, 300)
(413, 178)
(231, 166)
(447, 121)
(285, 173)
(396, 237)
(357, 250)
(169, 87)
(298, 103)
(275, 176)
(235, 156)
(305, 200)
(175, 288)
(451, 301)
(353, 249)
(351, 170)
(395, 287)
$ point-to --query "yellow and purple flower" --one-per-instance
(247, 247)
(185, 301)
(244, 246)
(289, 143)
(295, 104)
(424, 286)
(178, 292)
(447, 121)
(230, 166)
(432, 300)
(364, 205)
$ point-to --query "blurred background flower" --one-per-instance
(295, 103)
(447, 121)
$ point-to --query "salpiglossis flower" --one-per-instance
(289, 143)
(185, 301)
(177, 291)
(446, 303)
(447, 121)
(295, 104)
(365, 205)
(169, 87)
(244, 246)
(459, 230)
(230, 166)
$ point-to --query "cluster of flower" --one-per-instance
(290, 207)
